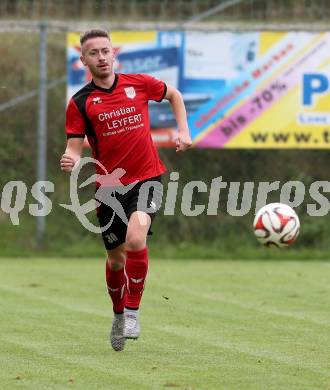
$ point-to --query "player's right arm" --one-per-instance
(75, 132)
(72, 154)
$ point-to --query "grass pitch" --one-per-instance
(205, 325)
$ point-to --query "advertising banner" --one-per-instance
(241, 90)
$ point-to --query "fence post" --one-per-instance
(42, 126)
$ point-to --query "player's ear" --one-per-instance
(113, 53)
(82, 59)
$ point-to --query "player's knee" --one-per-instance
(116, 260)
(135, 242)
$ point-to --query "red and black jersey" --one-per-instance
(116, 123)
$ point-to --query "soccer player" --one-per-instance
(112, 111)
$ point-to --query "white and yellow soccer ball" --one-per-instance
(276, 224)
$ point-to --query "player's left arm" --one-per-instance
(183, 140)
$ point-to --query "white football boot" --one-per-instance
(117, 337)
(132, 324)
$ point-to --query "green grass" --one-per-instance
(205, 325)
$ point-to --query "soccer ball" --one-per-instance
(276, 224)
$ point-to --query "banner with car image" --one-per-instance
(241, 90)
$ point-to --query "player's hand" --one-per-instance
(68, 161)
(182, 142)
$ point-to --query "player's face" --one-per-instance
(98, 55)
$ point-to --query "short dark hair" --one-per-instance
(93, 33)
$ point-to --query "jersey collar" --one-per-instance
(109, 90)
